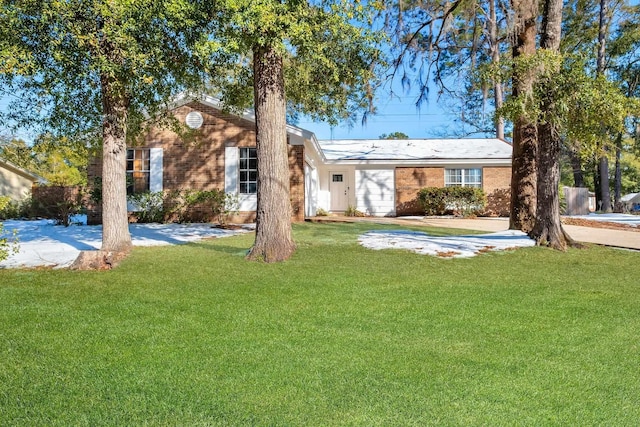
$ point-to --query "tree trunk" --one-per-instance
(495, 59)
(548, 230)
(617, 185)
(576, 166)
(274, 240)
(523, 173)
(605, 192)
(115, 224)
(603, 163)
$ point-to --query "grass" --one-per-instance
(338, 335)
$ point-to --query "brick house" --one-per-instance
(379, 177)
(383, 177)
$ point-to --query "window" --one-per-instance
(248, 171)
(138, 170)
(463, 178)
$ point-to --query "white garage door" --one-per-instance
(375, 191)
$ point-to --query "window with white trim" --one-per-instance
(463, 177)
(138, 170)
(248, 171)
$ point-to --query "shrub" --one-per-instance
(149, 205)
(465, 201)
(321, 212)
(12, 209)
(352, 211)
(58, 203)
(7, 246)
(184, 206)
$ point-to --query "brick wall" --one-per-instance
(409, 181)
(496, 183)
(195, 159)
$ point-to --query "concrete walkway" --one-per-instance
(601, 236)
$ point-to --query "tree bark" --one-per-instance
(605, 192)
(274, 240)
(523, 172)
(576, 166)
(603, 163)
(494, 48)
(617, 185)
(115, 224)
(548, 229)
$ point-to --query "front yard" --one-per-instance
(338, 335)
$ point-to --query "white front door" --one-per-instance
(338, 189)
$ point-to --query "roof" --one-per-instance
(631, 198)
(416, 150)
(19, 171)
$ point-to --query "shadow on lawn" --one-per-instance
(225, 249)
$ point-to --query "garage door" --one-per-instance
(375, 193)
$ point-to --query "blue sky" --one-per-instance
(397, 114)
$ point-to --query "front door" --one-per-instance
(338, 189)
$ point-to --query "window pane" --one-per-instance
(453, 177)
(248, 170)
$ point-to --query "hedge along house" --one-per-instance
(377, 177)
(383, 177)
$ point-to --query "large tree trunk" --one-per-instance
(274, 240)
(603, 163)
(494, 48)
(115, 224)
(548, 229)
(523, 173)
(605, 192)
(617, 185)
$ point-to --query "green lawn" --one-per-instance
(339, 335)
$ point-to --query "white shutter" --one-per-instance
(155, 173)
(231, 169)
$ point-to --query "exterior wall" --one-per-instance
(496, 183)
(14, 184)
(196, 160)
(409, 180)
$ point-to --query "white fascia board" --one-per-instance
(425, 163)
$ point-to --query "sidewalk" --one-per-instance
(600, 236)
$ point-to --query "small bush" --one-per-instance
(321, 212)
(13, 209)
(464, 201)
(184, 206)
(352, 211)
(7, 245)
(150, 206)
(58, 202)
